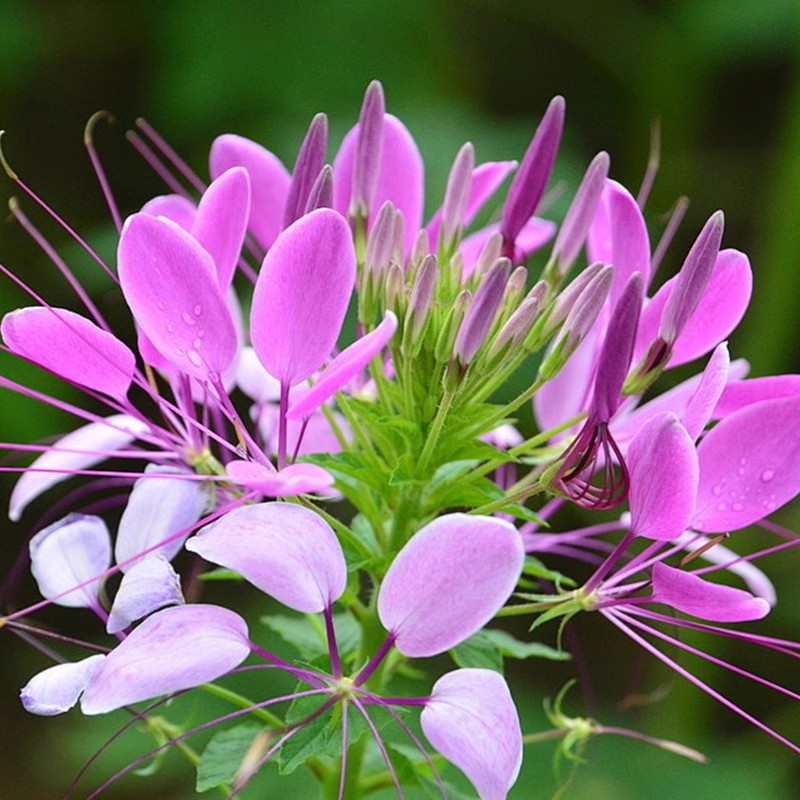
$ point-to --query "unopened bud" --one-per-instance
(456, 196)
(369, 151)
(480, 316)
(578, 323)
(309, 162)
(443, 349)
(321, 193)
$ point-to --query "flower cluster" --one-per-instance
(380, 490)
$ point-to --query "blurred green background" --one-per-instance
(722, 76)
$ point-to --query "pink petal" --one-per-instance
(177, 648)
(76, 451)
(702, 403)
(288, 482)
(472, 721)
(749, 465)
(160, 506)
(148, 585)
(175, 207)
(170, 283)
(302, 294)
(254, 380)
(618, 236)
(285, 550)
(221, 221)
(57, 689)
(269, 182)
(344, 368)
(712, 601)
(742, 393)
(70, 552)
(401, 179)
(719, 311)
(662, 463)
(71, 347)
(448, 581)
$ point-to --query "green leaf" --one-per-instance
(511, 647)
(223, 756)
(478, 651)
(221, 574)
(307, 634)
(537, 569)
(315, 738)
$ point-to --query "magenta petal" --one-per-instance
(344, 368)
(70, 552)
(221, 221)
(662, 506)
(288, 482)
(448, 581)
(148, 585)
(742, 393)
(170, 283)
(712, 601)
(76, 451)
(72, 347)
(472, 721)
(161, 505)
(285, 550)
(702, 403)
(301, 296)
(401, 179)
(618, 236)
(57, 689)
(749, 465)
(175, 207)
(177, 648)
(269, 182)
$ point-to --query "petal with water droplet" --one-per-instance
(170, 283)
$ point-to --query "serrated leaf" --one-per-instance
(223, 755)
(459, 494)
(478, 651)
(317, 737)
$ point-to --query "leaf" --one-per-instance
(224, 754)
(478, 651)
(536, 569)
(315, 738)
(511, 647)
(307, 634)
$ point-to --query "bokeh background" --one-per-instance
(721, 76)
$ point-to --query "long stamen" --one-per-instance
(170, 154)
(105, 187)
(52, 214)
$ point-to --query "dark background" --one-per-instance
(720, 75)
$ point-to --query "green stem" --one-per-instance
(236, 699)
(434, 431)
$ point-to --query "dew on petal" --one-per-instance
(767, 475)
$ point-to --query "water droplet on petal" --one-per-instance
(198, 310)
(197, 343)
(201, 333)
(742, 460)
(178, 351)
(188, 318)
(170, 327)
(736, 507)
(717, 490)
(722, 507)
(194, 357)
(767, 475)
